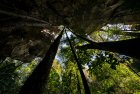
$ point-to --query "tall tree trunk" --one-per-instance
(129, 47)
(37, 81)
(78, 83)
(85, 83)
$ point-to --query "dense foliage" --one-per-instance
(91, 46)
(106, 72)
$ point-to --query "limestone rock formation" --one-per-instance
(21, 22)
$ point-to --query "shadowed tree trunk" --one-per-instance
(129, 47)
(85, 83)
(37, 81)
(78, 83)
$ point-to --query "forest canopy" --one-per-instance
(69, 47)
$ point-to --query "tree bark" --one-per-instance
(85, 83)
(37, 81)
(129, 47)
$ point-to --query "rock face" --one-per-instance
(21, 22)
(24, 44)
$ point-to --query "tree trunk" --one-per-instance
(129, 47)
(85, 83)
(37, 81)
